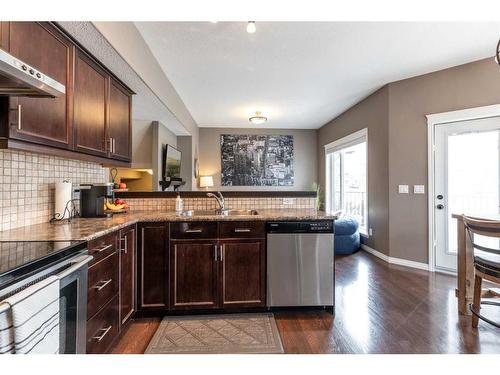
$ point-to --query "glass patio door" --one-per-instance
(466, 180)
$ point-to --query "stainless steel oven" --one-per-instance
(70, 265)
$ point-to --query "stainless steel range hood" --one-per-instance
(20, 79)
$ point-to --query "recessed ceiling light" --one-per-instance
(251, 27)
(258, 118)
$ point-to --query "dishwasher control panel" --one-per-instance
(319, 226)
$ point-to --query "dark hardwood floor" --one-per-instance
(380, 308)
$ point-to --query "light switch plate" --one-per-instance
(418, 189)
(288, 201)
(403, 189)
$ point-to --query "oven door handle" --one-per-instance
(78, 263)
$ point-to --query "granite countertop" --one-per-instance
(87, 229)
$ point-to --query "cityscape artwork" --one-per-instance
(256, 160)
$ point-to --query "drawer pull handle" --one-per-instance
(103, 248)
(193, 231)
(105, 332)
(102, 283)
(241, 230)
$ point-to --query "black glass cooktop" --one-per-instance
(22, 257)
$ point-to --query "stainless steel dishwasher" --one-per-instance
(300, 264)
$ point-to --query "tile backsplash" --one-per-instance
(27, 185)
(168, 204)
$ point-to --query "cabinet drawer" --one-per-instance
(102, 329)
(102, 283)
(242, 229)
(103, 246)
(193, 230)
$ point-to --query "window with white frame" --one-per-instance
(346, 177)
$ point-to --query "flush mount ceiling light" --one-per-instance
(251, 27)
(258, 118)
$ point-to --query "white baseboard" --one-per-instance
(398, 261)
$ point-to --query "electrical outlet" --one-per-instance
(288, 201)
(403, 189)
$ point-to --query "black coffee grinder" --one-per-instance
(93, 199)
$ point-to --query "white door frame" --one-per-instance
(432, 121)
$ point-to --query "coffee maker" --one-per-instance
(93, 199)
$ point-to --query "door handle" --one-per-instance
(215, 253)
(193, 231)
(101, 249)
(440, 206)
(241, 230)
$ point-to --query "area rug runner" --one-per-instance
(216, 334)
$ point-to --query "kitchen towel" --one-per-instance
(35, 317)
(6, 329)
(64, 194)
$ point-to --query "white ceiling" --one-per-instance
(302, 74)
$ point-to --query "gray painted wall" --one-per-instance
(371, 113)
(305, 146)
(161, 137)
(403, 218)
(185, 146)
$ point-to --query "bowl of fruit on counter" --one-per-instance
(116, 207)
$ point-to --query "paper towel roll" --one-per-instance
(64, 193)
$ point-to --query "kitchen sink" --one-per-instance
(190, 213)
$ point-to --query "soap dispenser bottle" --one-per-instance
(179, 204)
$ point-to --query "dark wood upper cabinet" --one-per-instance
(89, 106)
(153, 266)
(41, 120)
(127, 273)
(119, 122)
(243, 273)
(193, 275)
(92, 118)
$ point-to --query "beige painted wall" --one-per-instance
(466, 86)
(371, 113)
(142, 138)
(304, 143)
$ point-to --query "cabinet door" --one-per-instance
(153, 266)
(90, 106)
(127, 274)
(119, 125)
(193, 275)
(44, 121)
(243, 273)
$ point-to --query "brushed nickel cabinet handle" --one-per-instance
(125, 246)
(222, 250)
(19, 116)
(241, 230)
(103, 284)
(193, 231)
(114, 145)
(215, 253)
(103, 248)
(99, 338)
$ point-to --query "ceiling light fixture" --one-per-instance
(258, 118)
(251, 27)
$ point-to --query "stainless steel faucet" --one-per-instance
(220, 200)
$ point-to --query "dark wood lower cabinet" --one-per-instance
(243, 273)
(193, 274)
(103, 328)
(153, 267)
(127, 250)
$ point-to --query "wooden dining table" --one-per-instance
(465, 266)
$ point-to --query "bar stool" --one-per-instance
(486, 264)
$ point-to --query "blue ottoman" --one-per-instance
(347, 239)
